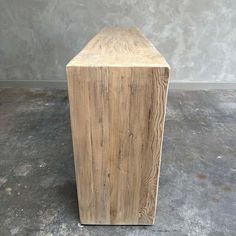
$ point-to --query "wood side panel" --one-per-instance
(117, 118)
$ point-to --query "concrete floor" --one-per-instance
(198, 174)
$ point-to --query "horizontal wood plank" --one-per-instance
(119, 47)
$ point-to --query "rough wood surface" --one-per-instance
(117, 116)
(123, 47)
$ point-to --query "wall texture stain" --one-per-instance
(38, 38)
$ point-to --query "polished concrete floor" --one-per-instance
(198, 174)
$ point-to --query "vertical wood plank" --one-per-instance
(117, 118)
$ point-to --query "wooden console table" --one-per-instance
(117, 92)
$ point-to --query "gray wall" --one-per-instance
(197, 37)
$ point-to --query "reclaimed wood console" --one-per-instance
(117, 92)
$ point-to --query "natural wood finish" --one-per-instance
(119, 47)
(117, 92)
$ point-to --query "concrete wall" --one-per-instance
(197, 37)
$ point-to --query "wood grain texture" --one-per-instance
(122, 47)
(117, 118)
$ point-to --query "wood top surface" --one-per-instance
(119, 47)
